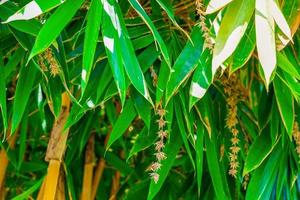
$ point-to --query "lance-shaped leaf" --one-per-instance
(24, 87)
(169, 11)
(34, 9)
(114, 54)
(131, 64)
(265, 37)
(122, 123)
(90, 41)
(285, 102)
(232, 29)
(215, 5)
(185, 63)
(258, 152)
(202, 79)
(139, 9)
(54, 25)
(280, 20)
(3, 108)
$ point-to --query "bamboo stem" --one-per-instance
(54, 155)
(88, 170)
(99, 171)
(116, 182)
(51, 180)
(4, 158)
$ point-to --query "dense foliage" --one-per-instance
(157, 99)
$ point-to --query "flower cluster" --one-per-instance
(162, 134)
(206, 34)
(296, 136)
(232, 92)
(48, 57)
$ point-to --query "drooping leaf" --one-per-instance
(54, 25)
(114, 54)
(264, 23)
(33, 9)
(258, 152)
(90, 41)
(3, 107)
(24, 87)
(139, 9)
(122, 123)
(185, 63)
(232, 29)
(215, 5)
(130, 61)
(285, 104)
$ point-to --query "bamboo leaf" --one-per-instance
(258, 152)
(34, 9)
(185, 63)
(232, 29)
(54, 25)
(122, 123)
(139, 9)
(215, 5)
(94, 18)
(24, 87)
(264, 23)
(285, 104)
(3, 106)
(130, 61)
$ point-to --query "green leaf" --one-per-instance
(169, 11)
(201, 79)
(130, 61)
(232, 29)
(24, 87)
(182, 131)
(284, 63)
(122, 123)
(54, 25)
(284, 98)
(262, 176)
(29, 191)
(145, 139)
(280, 20)
(94, 18)
(185, 63)
(258, 152)
(142, 107)
(114, 54)
(215, 5)
(199, 154)
(33, 9)
(171, 149)
(244, 50)
(139, 9)
(3, 107)
(264, 23)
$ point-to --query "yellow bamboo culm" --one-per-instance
(51, 180)
(4, 159)
(88, 170)
(97, 177)
(98, 172)
(54, 155)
